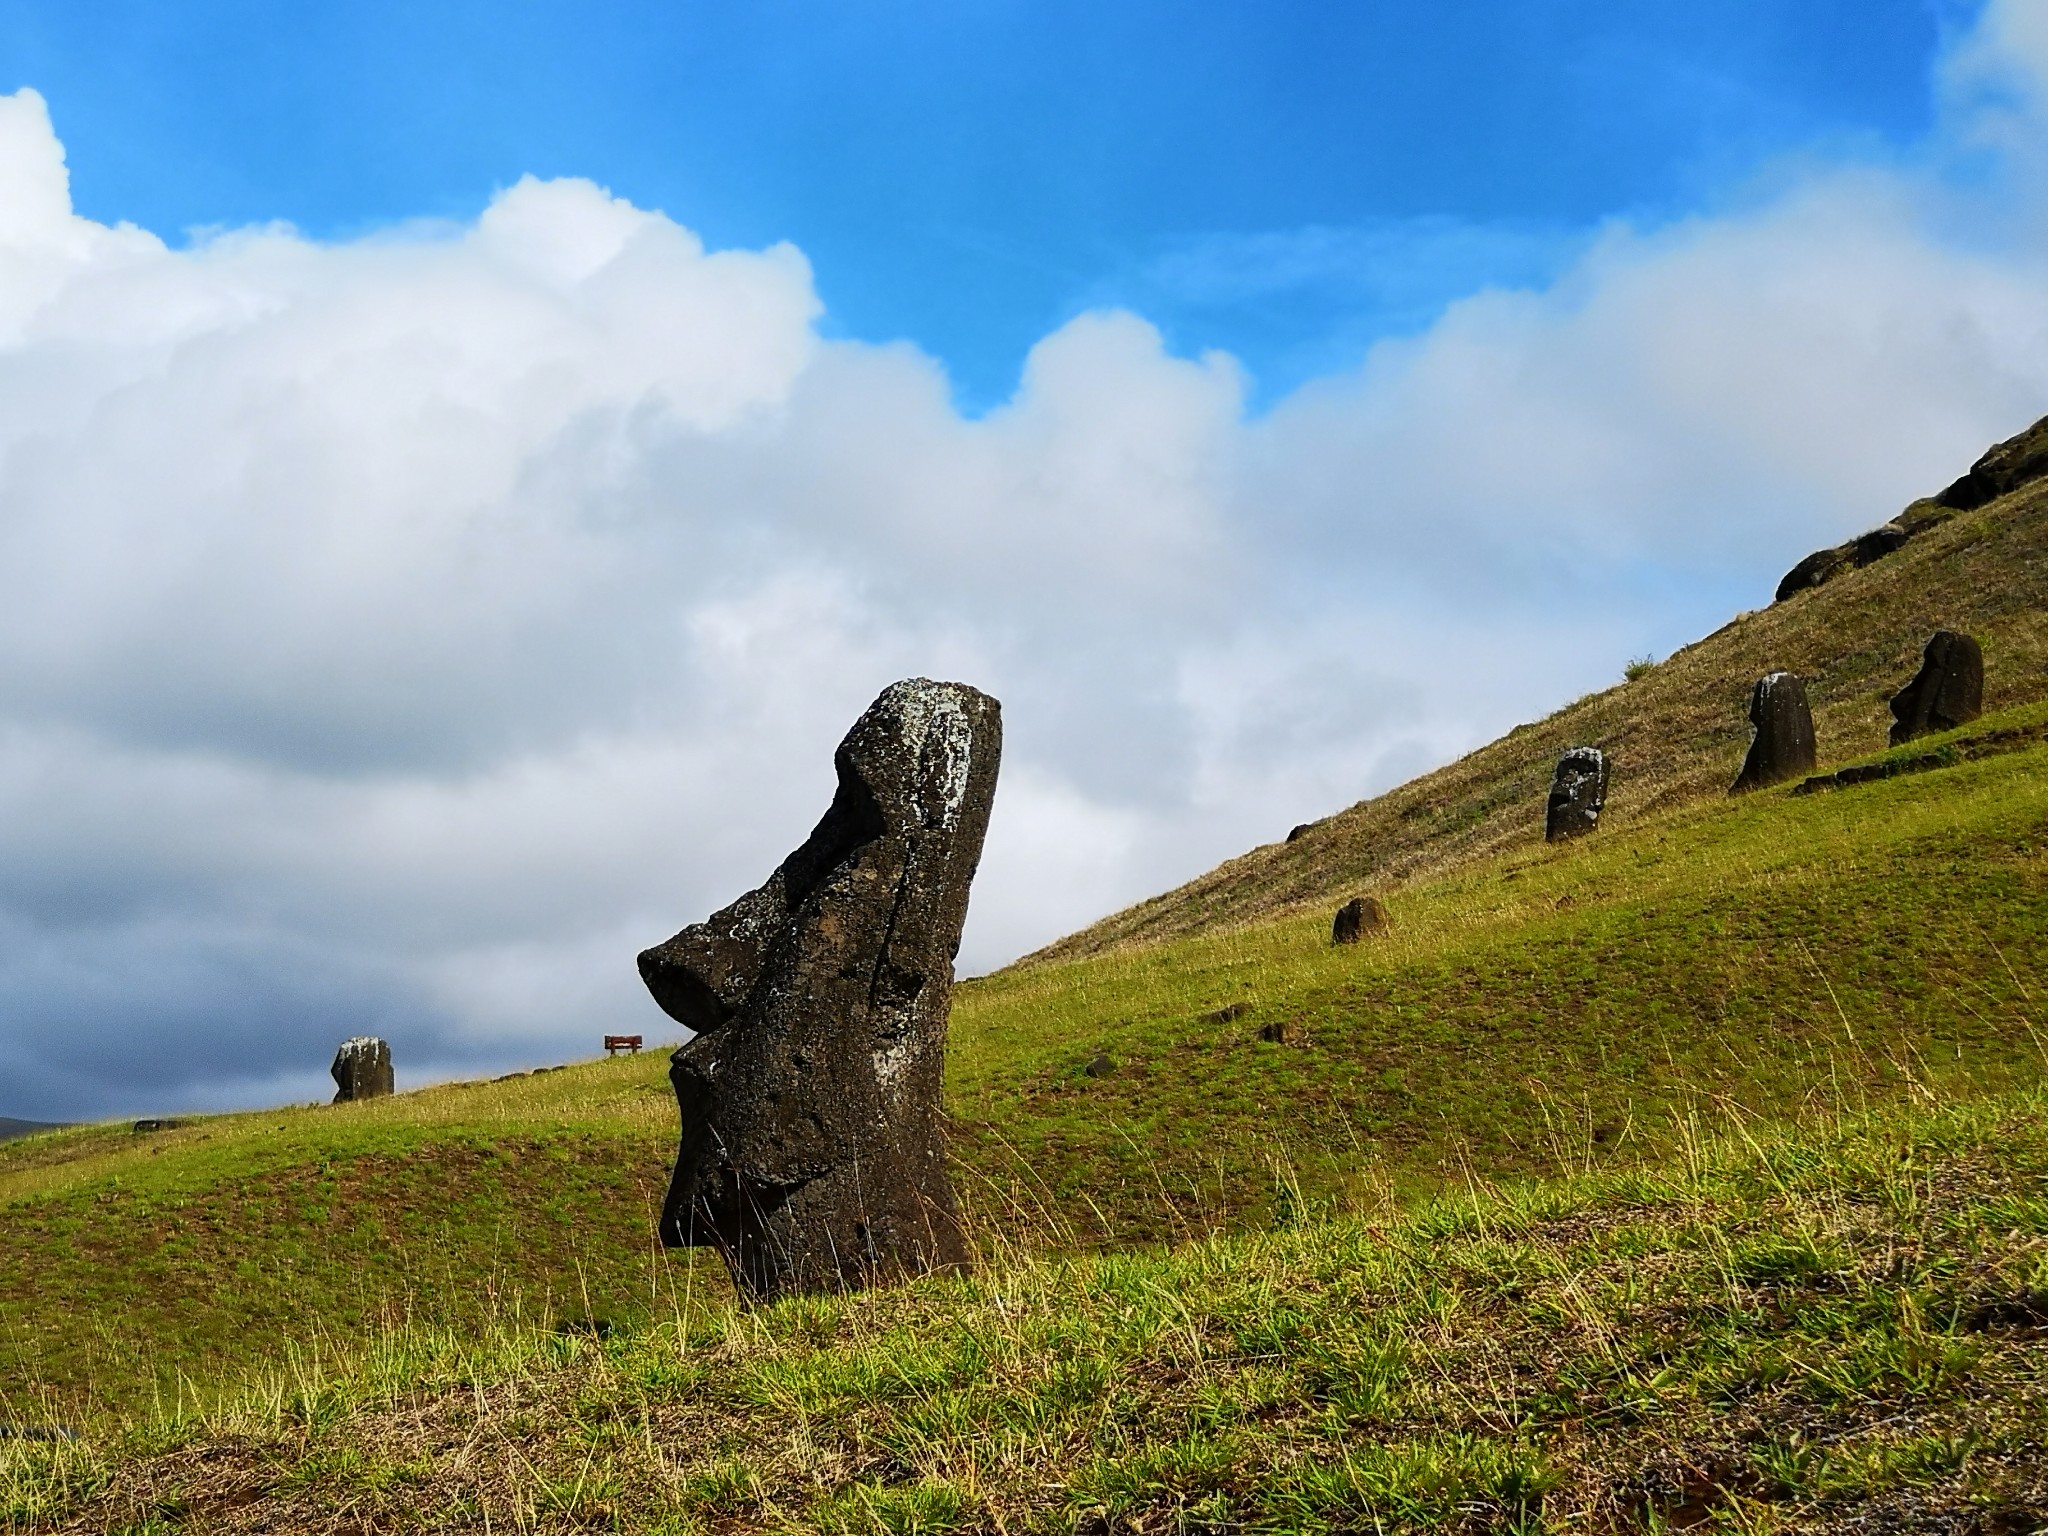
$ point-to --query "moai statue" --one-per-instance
(1578, 791)
(1358, 917)
(362, 1069)
(1946, 692)
(812, 1156)
(1783, 745)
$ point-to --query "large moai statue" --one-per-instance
(362, 1070)
(1782, 747)
(1578, 792)
(1948, 690)
(812, 1156)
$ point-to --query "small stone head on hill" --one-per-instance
(362, 1069)
(1946, 692)
(1359, 916)
(1578, 792)
(1782, 747)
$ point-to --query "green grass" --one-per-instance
(1575, 1002)
(135, 1267)
(1836, 1325)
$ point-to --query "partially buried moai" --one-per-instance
(362, 1069)
(1578, 793)
(812, 1156)
(1782, 747)
(1359, 916)
(1946, 692)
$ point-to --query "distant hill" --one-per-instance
(9, 1129)
(1678, 732)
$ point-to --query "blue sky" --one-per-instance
(970, 175)
(462, 468)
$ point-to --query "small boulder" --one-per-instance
(362, 1069)
(1782, 747)
(1100, 1066)
(1297, 833)
(1227, 1013)
(1948, 690)
(1281, 1032)
(2004, 468)
(1358, 917)
(1578, 791)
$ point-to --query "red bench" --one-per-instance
(613, 1044)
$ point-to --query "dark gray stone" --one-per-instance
(1296, 833)
(1946, 692)
(1099, 1066)
(362, 1069)
(1227, 1013)
(812, 1156)
(1782, 747)
(146, 1127)
(1358, 917)
(1578, 791)
(2004, 468)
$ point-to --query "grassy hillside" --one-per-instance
(1577, 1000)
(129, 1263)
(1842, 1328)
(1676, 734)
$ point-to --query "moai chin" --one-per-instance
(812, 1156)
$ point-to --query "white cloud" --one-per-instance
(395, 634)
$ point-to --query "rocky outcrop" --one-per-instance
(1782, 747)
(2003, 469)
(811, 1156)
(362, 1070)
(1358, 917)
(1946, 692)
(1578, 792)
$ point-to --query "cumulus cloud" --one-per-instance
(396, 634)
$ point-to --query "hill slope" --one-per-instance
(1843, 1329)
(1676, 734)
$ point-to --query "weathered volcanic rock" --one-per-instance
(2003, 469)
(362, 1069)
(1358, 917)
(812, 1157)
(1948, 690)
(1782, 747)
(1578, 790)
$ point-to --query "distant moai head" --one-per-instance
(1946, 692)
(1578, 792)
(1358, 917)
(362, 1069)
(1782, 747)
